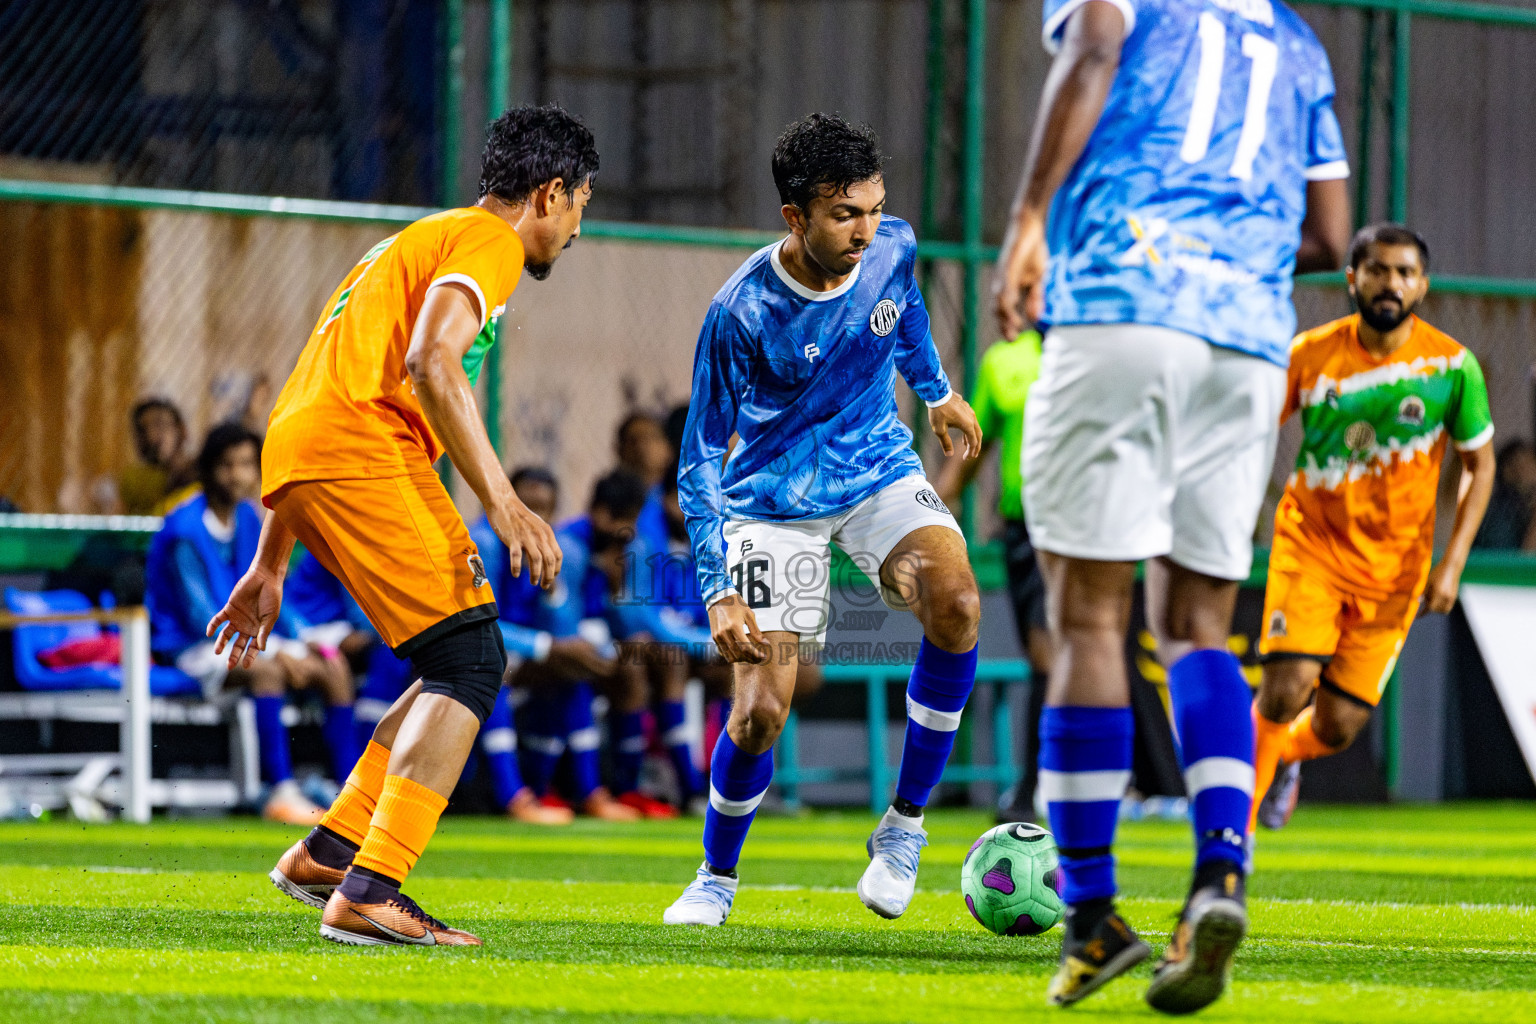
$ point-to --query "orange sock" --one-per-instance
(1302, 743)
(353, 810)
(1270, 740)
(402, 824)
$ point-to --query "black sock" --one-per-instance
(364, 886)
(1213, 873)
(730, 873)
(1084, 917)
(906, 808)
(330, 849)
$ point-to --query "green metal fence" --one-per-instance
(225, 113)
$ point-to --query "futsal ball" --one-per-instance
(1009, 880)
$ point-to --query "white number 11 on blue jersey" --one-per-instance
(1264, 55)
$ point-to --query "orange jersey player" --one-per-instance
(383, 388)
(1380, 395)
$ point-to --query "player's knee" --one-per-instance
(758, 719)
(465, 665)
(954, 616)
(1338, 728)
(1287, 688)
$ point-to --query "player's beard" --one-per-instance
(540, 271)
(1383, 319)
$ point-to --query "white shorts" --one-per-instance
(210, 670)
(782, 570)
(1141, 441)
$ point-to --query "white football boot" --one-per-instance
(707, 900)
(886, 885)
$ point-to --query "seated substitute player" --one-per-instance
(551, 659)
(598, 549)
(193, 565)
(798, 356)
(1379, 394)
(1195, 163)
(381, 389)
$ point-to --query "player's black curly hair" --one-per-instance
(528, 146)
(822, 154)
(1386, 234)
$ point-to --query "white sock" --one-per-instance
(901, 821)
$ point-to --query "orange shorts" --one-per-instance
(400, 548)
(1357, 638)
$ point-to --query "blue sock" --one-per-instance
(584, 740)
(498, 739)
(1085, 765)
(737, 782)
(339, 730)
(1211, 711)
(272, 739)
(543, 740)
(674, 734)
(936, 694)
(628, 750)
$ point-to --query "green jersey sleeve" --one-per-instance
(1471, 424)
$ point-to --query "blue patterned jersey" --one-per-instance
(807, 379)
(1185, 208)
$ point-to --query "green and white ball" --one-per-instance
(1009, 880)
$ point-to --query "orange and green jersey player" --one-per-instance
(1354, 531)
(347, 463)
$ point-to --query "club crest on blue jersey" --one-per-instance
(883, 320)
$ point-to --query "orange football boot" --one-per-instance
(395, 920)
(305, 879)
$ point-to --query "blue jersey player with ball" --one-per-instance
(798, 359)
(1185, 163)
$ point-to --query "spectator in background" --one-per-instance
(200, 552)
(333, 625)
(643, 450)
(1510, 524)
(535, 657)
(164, 476)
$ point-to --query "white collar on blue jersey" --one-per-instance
(800, 289)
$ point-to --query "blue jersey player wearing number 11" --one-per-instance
(1186, 162)
(798, 358)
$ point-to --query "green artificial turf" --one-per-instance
(1359, 915)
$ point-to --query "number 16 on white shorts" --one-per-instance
(782, 570)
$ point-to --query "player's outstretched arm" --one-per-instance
(1478, 471)
(1073, 99)
(247, 618)
(446, 328)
